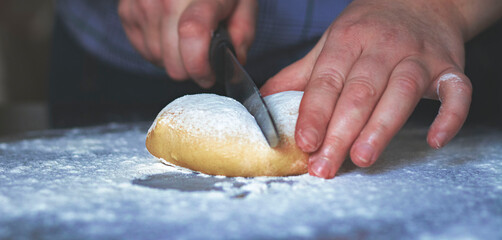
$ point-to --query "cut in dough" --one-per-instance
(216, 135)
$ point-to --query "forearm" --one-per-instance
(477, 15)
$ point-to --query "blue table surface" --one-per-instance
(101, 183)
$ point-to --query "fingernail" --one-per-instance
(440, 139)
(320, 167)
(364, 152)
(309, 138)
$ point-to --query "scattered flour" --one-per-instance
(450, 77)
(78, 184)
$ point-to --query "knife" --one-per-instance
(238, 84)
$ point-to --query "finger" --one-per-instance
(405, 88)
(361, 91)
(454, 90)
(195, 28)
(132, 27)
(171, 58)
(322, 91)
(150, 25)
(292, 78)
(123, 11)
(295, 76)
(241, 27)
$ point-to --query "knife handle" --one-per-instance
(219, 41)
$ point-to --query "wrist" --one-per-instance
(444, 16)
(476, 15)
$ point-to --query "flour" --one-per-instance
(211, 115)
(78, 184)
(450, 77)
(284, 109)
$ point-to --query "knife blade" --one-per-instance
(239, 85)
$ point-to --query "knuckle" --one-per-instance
(452, 116)
(143, 9)
(188, 28)
(382, 126)
(330, 81)
(335, 141)
(460, 90)
(390, 36)
(459, 86)
(204, 8)
(407, 84)
(346, 30)
(320, 115)
(466, 88)
(316, 116)
(143, 6)
(360, 91)
(169, 6)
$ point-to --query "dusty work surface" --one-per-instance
(102, 183)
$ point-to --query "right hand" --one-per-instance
(176, 34)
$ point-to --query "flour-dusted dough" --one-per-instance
(216, 135)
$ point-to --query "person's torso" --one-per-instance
(286, 30)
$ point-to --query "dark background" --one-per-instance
(484, 68)
(26, 37)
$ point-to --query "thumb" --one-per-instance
(295, 76)
(292, 78)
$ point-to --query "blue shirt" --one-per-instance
(286, 31)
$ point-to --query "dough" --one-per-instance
(216, 135)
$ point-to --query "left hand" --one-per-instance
(176, 34)
(366, 75)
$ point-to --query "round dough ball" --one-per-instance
(216, 135)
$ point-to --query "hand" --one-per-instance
(176, 34)
(367, 73)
